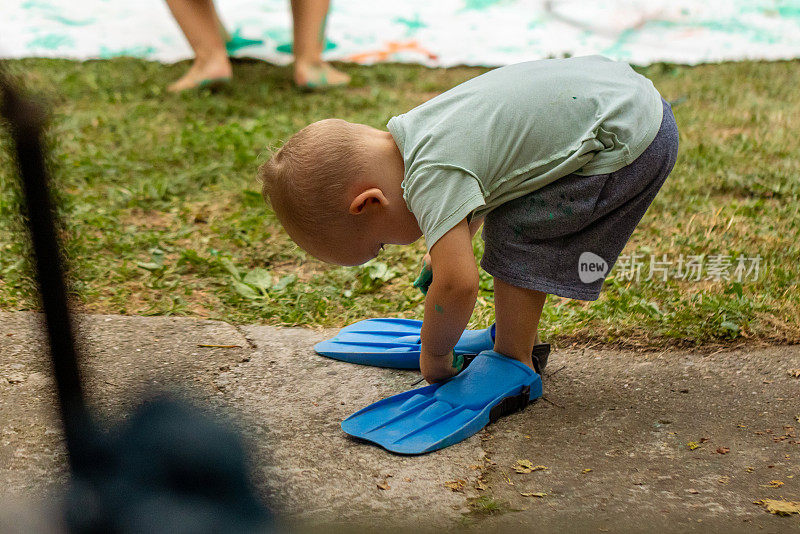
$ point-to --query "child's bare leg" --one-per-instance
(200, 24)
(309, 40)
(517, 314)
(223, 31)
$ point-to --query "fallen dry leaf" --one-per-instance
(539, 494)
(795, 373)
(774, 484)
(723, 450)
(724, 479)
(777, 507)
(693, 445)
(703, 440)
(383, 485)
(480, 485)
(587, 470)
(525, 466)
(456, 485)
(692, 491)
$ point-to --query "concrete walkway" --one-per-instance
(612, 432)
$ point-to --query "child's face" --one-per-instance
(351, 244)
(355, 242)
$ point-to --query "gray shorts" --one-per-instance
(565, 237)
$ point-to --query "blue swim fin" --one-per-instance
(396, 343)
(437, 416)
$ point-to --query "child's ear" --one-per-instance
(370, 197)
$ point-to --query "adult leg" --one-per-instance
(309, 40)
(200, 24)
(517, 313)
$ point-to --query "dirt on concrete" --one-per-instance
(629, 442)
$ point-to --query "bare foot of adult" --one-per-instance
(204, 73)
(318, 76)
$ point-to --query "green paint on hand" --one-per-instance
(425, 278)
(438, 308)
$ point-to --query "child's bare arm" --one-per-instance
(425, 277)
(449, 301)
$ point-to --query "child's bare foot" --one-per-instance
(440, 368)
(318, 76)
(204, 72)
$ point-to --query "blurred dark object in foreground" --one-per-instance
(168, 468)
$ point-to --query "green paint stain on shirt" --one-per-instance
(438, 308)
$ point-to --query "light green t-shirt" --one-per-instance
(515, 129)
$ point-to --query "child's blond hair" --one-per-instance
(306, 180)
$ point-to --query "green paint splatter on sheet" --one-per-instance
(237, 41)
(71, 22)
(789, 11)
(134, 51)
(33, 4)
(412, 25)
(479, 5)
(51, 41)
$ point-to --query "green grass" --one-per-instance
(163, 214)
(486, 505)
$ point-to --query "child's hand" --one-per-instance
(423, 281)
(440, 368)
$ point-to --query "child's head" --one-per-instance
(333, 190)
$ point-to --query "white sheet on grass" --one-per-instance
(432, 32)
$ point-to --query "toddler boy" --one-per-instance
(559, 157)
